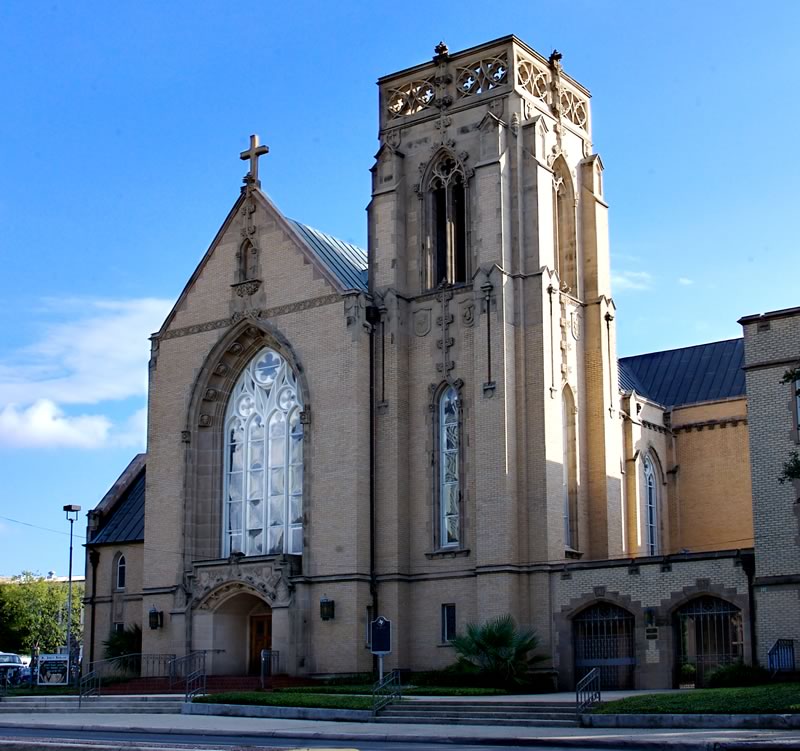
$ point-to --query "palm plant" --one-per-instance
(498, 651)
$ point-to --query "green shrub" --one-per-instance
(688, 673)
(737, 674)
(498, 651)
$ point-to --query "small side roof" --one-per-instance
(120, 515)
(690, 375)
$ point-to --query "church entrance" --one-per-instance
(260, 638)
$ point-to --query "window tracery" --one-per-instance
(446, 198)
(480, 76)
(263, 506)
(410, 98)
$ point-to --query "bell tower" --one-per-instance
(489, 262)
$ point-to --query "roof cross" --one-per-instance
(252, 154)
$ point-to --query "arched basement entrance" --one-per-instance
(709, 634)
(603, 639)
(234, 633)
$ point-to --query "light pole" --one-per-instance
(72, 515)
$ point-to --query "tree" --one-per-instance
(498, 651)
(33, 613)
(791, 468)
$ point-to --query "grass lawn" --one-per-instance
(282, 699)
(780, 698)
(407, 690)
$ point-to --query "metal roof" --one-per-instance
(676, 377)
(347, 261)
(125, 523)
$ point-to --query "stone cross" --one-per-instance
(252, 154)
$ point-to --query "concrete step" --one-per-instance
(465, 720)
(488, 716)
(94, 704)
(411, 704)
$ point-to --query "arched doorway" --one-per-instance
(708, 634)
(235, 632)
(603, 639)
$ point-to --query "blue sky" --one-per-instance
(119, 147)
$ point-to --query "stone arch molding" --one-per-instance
(225, 362)
(211, 588)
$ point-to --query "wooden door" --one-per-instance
(260, 638)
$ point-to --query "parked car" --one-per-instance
(11, 668)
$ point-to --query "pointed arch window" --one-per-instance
(446, 198)
(120, 573)
(651, 508)
(569, 469)
(263, 495)
(449, 469)
(564, 227)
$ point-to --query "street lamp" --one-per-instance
(72, 516)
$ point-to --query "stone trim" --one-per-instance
(222, 323)
(709, 424)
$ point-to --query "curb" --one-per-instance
(581, 742)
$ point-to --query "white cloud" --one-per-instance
(92, 352)
(685, 281)
(633, 280)
(43, 423)
(99, 353)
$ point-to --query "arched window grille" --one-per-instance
(263, 506)
(447, 222)
(651, 510)
(449, 469)
(119, 574)
(709, 634)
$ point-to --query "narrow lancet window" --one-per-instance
(449, 469)
(650, 508)
(447, 213)
(120, 573)
(569, 469)
(264, 461)
(564, 227)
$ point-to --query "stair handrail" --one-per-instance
(781, 657)
(180, 668)
(385, 692)
(587, 691)
(270, 664)
(89, 686)
(196, 682)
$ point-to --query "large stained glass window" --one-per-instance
(449, 469)
(263, 512)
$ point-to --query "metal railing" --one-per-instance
(386, 691)
(587, 691)
(270, 664)
(89, 686)
(181, 668)
(781, 657)
(135, 665)
(195, 684)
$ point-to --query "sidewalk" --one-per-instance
(352, 732)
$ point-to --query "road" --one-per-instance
(200, 742)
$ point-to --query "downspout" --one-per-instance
(373, 316)
(94, 560)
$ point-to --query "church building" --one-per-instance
(436, 430)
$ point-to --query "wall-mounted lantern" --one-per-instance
(156, 618)
(327, 609)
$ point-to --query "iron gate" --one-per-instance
(709, 634)
(603, 639)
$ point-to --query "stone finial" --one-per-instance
(442, 53)
(253, 153)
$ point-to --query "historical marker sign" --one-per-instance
(381, 633)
